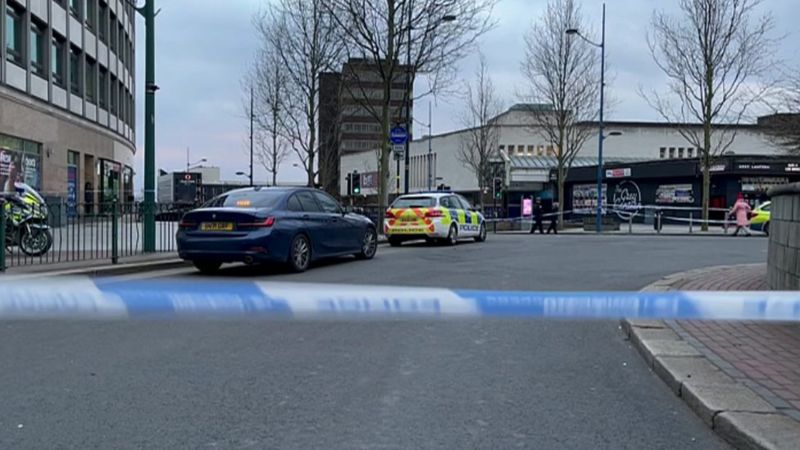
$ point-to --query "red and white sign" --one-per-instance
(618, 173)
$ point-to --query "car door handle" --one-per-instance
(306, 216)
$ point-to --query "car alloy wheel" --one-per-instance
(301, 253)
(369, 244)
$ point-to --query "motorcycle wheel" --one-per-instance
(35, 241)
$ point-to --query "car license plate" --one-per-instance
(216, 226)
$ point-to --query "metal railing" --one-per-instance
(82, 232)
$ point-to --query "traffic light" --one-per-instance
(356, 180)
(498, 188)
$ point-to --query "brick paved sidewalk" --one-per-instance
(763, 356)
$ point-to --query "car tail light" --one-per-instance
(389, 214)
(185, 224)
(434, 213)
(266, 223)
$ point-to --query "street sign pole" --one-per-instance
(399, 139)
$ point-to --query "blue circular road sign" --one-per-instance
(398, 135)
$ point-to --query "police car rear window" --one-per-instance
(414, 202)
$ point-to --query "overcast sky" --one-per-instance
(203, 48)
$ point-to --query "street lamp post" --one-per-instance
(148, 11)
(601, 135)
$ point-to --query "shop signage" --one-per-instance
(749, 166)
(618, 173)
(527, 207)
(627, 199)
(675, 193)
(761, 184)
(793, 167)
(369, 180)
(584, 196)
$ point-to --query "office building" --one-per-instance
(67, 97)
(350, 107)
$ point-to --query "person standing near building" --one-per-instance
(537, 217)
(553, 219)
(742, 212)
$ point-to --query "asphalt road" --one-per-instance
(466, 384)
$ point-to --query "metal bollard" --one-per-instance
(2, 235)
(114, 232)
(691, 217)
(658, 220)
(630, 224)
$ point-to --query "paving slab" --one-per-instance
(747, 430)
(708, 400)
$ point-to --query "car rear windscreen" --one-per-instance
(247, 199)
(414, 202)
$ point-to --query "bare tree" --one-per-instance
(267, 81)
(563, 76)
(479, 144)
(713, 54)
(303, 36)
(385, 32)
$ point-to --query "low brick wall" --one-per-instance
(783, 260)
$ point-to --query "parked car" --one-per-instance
(433, 217)
(287, 225)
(759, 217)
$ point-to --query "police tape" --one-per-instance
(83, 298)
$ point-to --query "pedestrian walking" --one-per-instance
(742, 212)
(553, 219)
(537, 217)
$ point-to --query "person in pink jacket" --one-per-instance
(742, 211)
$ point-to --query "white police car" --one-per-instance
(433, 216)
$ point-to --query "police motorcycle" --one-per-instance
(26, 221)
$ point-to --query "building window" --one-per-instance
(91, 81)
(510, 150)
(91, 14)
(689, 152)
(551, 151)
(75, 70)
(121, 44)
(75, 8)
(122, 111)
(15, 51)
(113, 91)
(530, 150)
(680, 152)
(57, 59)
(501, 148)
(662, 153)
(112, 33)
(672, 153)
(102, 23)
(21, 159)
(38, 49)
(103, 87)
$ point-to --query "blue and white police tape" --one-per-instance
(175, 299)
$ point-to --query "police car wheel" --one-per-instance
(481, 234)
(452, 235)
(766, 228)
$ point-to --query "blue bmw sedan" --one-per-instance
(287, 225)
